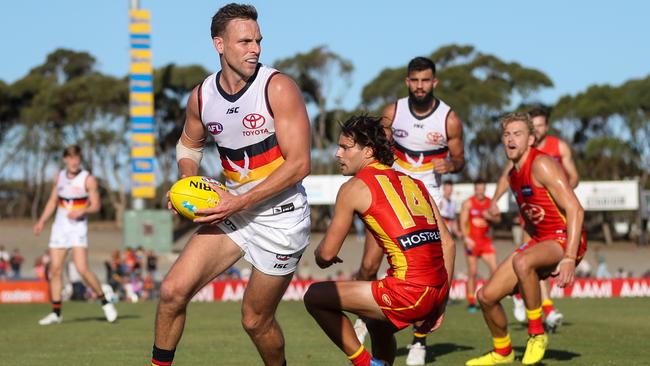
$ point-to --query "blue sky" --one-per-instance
(576, 43)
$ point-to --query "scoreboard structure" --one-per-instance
(141, 108)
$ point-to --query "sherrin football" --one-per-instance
(193, 193)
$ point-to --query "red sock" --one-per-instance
(502, 346)
(361, 357)
(471, 299)
(535, 325)
(547, 307)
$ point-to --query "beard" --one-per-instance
(423, 102)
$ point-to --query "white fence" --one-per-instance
(594, 196)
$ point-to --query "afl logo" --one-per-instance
(253, 121)
(400, 133)
(534, 213)
(281, 257)
(214, 128)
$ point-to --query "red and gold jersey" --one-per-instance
(402, 221)
(541, 215)
(479, 227)
(552, 148)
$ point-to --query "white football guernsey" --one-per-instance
(418, 140)
(243, 127)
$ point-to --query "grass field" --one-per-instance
(596, 332)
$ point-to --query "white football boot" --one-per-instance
(51, 318)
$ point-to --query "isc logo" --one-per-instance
(232, 110)
(280, 265)
(200, 185)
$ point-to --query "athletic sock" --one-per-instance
(102, 298)
(471, 299)
(361, 357)
(535, 325)
(419, 338)
(56, 307)
(547, 307)
(162, 357)
(502, 346)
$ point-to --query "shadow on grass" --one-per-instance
(436, 350)
(100, 319)
(551, 354)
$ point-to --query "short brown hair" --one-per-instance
(72, 150)
(229, 12)
(515, 117)
(539, 111)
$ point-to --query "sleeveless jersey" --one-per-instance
(401, 219)
(541, 215)
(479, 227)
(243, 128)
(418, 140)
(552, 148)
(72, 195)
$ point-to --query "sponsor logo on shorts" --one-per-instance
(214, 128)
(418, 238)
(400, 133)
(386, 299)
(280, 265)
(284, 208)
(526, 191)
(282, 257)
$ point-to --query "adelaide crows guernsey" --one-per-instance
(243, 128)
(401, 219)
(72, 195)
(418, 140)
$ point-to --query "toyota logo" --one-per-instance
(253, 121)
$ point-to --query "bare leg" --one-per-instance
(528, 264)
(501, 284)
(80, 259)
(208, 253)
(326, 302)
(261, 299)
(57, 256)
(491, 261)
(472, 264)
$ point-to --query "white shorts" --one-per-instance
(63, 237)
(273, 251)
(436, 193)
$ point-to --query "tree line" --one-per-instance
(67, 100)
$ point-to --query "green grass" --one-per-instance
(596, 332)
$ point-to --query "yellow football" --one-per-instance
(193, 193)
